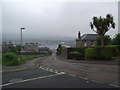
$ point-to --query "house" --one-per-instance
(86, 40)
(6, 45)
(30, 47)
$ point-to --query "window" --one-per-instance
(92, 43)
(85, 43)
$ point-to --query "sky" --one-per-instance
(53, 20)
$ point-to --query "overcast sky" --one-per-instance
(53, 20)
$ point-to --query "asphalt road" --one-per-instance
(48, 78)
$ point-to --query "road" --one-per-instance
(54, 72)
(48, 78)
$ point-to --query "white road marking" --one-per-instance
(43, 68)
(85, 78)
(40, 67)
(96, 81)
(51, 70)
(62, 72)
(72, 75)
(113, 85)
(59, 73)
(31, 79)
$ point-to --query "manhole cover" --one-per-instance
(15, 80)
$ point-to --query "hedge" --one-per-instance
(101, 52)
(90, 53)
(77, 53)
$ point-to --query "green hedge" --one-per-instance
(101, 52)
(77, 53)
(90, 53)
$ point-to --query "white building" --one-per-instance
(31, 47)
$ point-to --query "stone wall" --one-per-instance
(65, 53)
(88, 43)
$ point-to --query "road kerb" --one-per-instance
(13, 70)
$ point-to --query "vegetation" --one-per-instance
(77, 53)
(60, 47)
(14, 49)
(102, 52)
(0, 58)
(49, 51)
(116, 40)
(107, 40)
(12, 59)
(102, 25)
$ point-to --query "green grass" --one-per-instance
(12, 59)
(25, 58)
(0, 58)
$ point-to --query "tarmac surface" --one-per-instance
(97, 71)
(47, 78)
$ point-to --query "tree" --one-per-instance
(102, 25)
(18, 48)
(107, 40)
(116, 40)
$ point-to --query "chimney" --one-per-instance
(79, 35)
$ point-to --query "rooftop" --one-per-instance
(89, 37)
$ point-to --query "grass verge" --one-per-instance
(12, 59)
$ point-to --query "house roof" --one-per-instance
(89, 37)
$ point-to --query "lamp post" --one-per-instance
(21, 37)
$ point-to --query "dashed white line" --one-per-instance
(72, 75)
(59, 73)
(113, 85)
(62, 72)
(96, 81)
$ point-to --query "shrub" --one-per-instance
(10, 59)
(74, 55)
(115, 49)
(90, 53)
(77, 53)
(104, 52)
(74, 52)
(101, 52)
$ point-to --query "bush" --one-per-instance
(74, 52)
(59, 49)
(115, 49)
(101, 52)
(90, 53)
(77, 53)
(10, 59)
